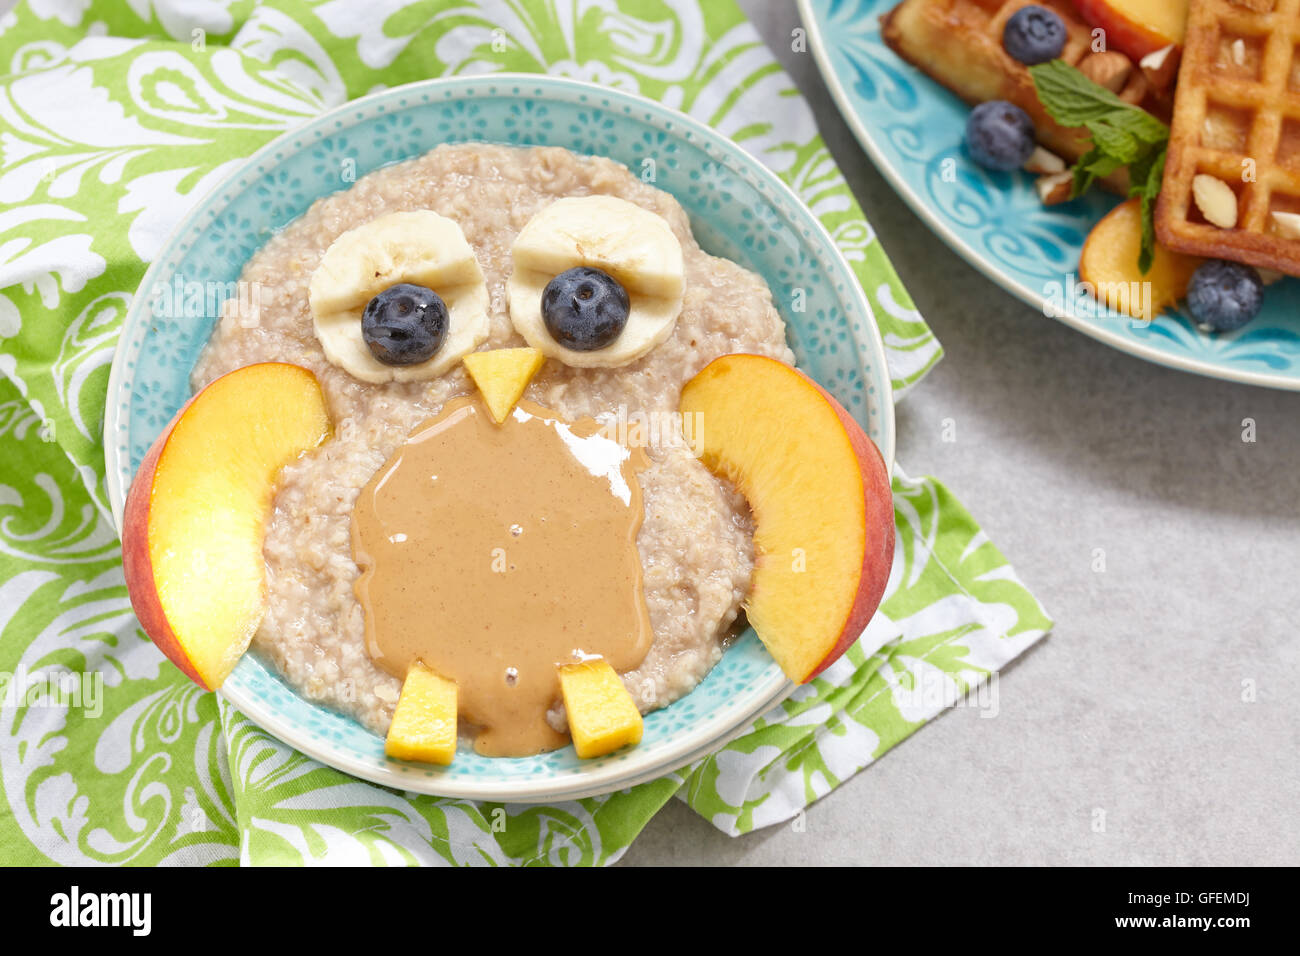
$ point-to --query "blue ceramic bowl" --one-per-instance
(913, 128)
(738, 209)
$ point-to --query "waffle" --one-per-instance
(959, 44)
(1236, 115)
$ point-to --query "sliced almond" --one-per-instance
(1216, 200)
(1286, 224)
(1109, 68)
(1044, 162)
(1161, 69)
(1155, 60)
(1055, 188)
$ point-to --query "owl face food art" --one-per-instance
(470, 554)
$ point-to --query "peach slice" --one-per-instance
(1137, 27)
(820, 495)
(1109, 263)
(195, 517)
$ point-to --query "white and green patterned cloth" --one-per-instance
(115, 117)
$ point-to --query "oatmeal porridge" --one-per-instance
(695, 539)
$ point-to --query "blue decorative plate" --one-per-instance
(912, 127)
(738, 209)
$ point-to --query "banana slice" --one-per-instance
(635, 246)
(419, 247)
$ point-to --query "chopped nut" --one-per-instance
(1161, 69)
(1216, 200)
(1156, 59)
(1286, 224)
(1136, 89)
(1109, 68)
(1054, 189)
(1043, 161)
(1239, 51)
(1269, 276)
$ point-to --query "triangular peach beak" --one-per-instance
(502, 375)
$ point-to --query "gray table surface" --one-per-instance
(1160, 705)
(1129, 735)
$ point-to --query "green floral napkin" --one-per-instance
(114, 118)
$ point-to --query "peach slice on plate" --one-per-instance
(1109, 264)
(195, 516)
(820, 495)
(1137, 27)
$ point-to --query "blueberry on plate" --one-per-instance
(1034, 35)
(405, 324)
(584, 308)
(1223, 296)
(1000, 135)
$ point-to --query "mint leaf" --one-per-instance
(1114, 142)
(1092, 165)
(1147, 188)
(1071, 98)
(1139, 172)
(1140, 124)
(1122, 135)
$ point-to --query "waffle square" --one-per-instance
(1237, 118)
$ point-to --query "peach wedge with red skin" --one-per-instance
(820, 495)
(1137, 28)
(195, 517)
(1109, 264)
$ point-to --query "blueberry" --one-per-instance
(585, 309)
(1034, 35)
(405, 324)
(999, 135)
(1223, 296)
